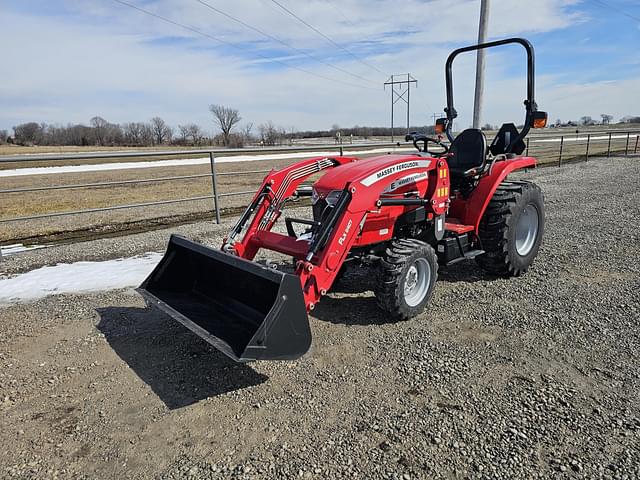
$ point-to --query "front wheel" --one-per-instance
(407, 276)
(511, 228)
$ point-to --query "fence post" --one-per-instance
(609, 146)
(635, 150)
(526, 154)
(560, 156)
(586, 158)
(214, 186)
(626, 148)
(341, 151)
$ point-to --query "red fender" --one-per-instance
(471, 209)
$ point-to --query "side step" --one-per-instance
(455, 248)
(470, 255)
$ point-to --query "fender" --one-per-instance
(479, 199)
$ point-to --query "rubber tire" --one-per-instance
(497, 228)
(339, 276)
(392, 271)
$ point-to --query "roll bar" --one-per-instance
(529, 103)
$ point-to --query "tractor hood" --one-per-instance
(376, 167)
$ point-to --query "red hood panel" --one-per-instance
(367, 170)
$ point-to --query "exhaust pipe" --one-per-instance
(244, 309)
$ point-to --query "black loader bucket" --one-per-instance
(244, 309)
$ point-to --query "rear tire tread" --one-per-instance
(495, 225)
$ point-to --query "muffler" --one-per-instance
(244, 309)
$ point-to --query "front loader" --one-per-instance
(401, 215)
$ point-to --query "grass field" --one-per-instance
(232, 178)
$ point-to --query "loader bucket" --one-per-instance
(244, 309)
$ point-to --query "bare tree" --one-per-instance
(606, 118)
(27, 133)
(190, 133)
(226, 119)
(162, 132)
(184, 133)
(135, 134)
(3, 136)
(246, 131)
(586, 120)
(270, 134)
(195, 133)
(99, 125)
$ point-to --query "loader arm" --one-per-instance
(266, 206)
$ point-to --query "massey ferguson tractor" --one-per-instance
(402, 215)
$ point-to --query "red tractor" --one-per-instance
(403, 214)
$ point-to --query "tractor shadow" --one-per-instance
(179, 366)
(466, 271)
(351, 300)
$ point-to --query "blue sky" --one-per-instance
(67, 61)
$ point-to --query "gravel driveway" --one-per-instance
(532, 377)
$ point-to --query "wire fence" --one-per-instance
(548, 148)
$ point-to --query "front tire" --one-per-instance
(407, 276)
(511, 229)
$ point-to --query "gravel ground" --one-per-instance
(533, 377)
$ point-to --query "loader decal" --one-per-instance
(343, 237)
(385, 172)
(404, 181)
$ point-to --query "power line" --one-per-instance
(276, 39)
(333, 5)
(618, 9)
(219, 40)
(329, 39)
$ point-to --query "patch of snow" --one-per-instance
(78, 277)
(102, 167)
(17, 248)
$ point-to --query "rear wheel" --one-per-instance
(511, 229)
(407, 277)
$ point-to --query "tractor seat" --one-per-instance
(469, 151)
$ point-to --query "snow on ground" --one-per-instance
(101, 167)
(77, 277)
(7, 250)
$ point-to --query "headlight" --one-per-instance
(333, 197)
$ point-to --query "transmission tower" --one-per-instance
(400, 93)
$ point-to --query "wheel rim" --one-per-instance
(416, 282)
(527, 230)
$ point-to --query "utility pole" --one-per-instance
(482, 38)
(398, 94)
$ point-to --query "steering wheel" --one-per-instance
(419, 137)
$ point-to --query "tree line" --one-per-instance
(230, 132)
